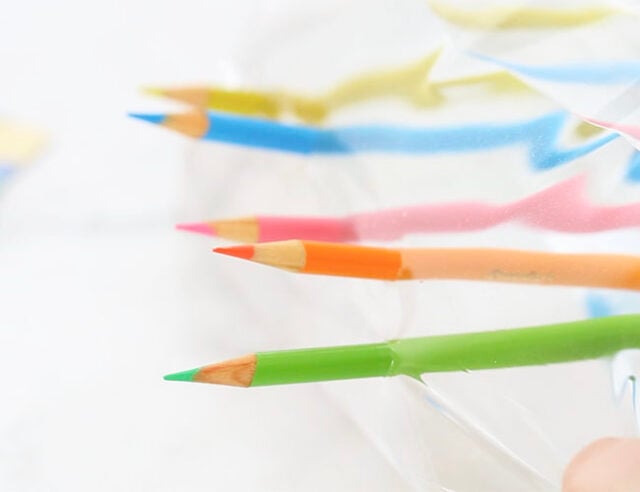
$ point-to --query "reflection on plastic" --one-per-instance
(516, 16)
(625, 372)
(606, 72)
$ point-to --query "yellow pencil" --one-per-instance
(410, 83)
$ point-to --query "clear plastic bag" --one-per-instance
(512, 429)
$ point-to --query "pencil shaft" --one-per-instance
(588, 270)
(410, 82)
(539, 134)
(562, 207)
(483, 264)
(539, 345)
(322, 364)
(243, 102)
(276, 228)
(518, 16)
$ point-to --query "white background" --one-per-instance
(99, 296)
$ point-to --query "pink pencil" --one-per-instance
(560, 208)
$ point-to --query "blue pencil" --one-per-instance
(540, 135)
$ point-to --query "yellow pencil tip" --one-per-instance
(152, 91)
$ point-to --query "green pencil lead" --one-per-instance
(182, 375)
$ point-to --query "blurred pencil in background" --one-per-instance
(518, 16)
(562, 207)
(19, 145)
(539, 134)
(409, 83)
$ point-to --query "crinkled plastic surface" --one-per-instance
(100, 297)
(510, 429)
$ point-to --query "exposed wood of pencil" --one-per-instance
(288, 255)
(244, 229)
(233, 372)
(194, 123)
(499, 265)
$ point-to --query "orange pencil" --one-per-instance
(485, 264)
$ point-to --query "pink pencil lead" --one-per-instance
(199, 228)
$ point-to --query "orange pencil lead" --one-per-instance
(243, 251)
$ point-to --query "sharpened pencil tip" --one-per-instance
(182, 376)
(199, 228)
(152, 91)
(245, 251)
(156, 118)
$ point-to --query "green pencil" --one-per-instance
(539, 345)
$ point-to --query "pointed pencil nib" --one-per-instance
(233, 372)
(245, 251)
(182, 376)
(152, 91)
(156, 118)
(199, 228)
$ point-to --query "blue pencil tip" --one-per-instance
(156, 118)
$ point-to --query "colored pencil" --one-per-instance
(540, 134)
(520, 16)
(410, 83)
(483, 264)
(531, 346)
(19, 143)
(559, 208)
(247, 102)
